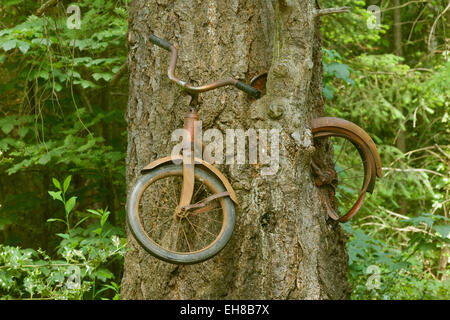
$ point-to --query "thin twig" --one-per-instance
(392, 213)
(44, 265)
(45, 6)
(404, 5)
(119, 74)
(442, 151)
(413, 170)
(83, 96)
(414, 24)
(324, 12)
(434, 24)
(406, 229)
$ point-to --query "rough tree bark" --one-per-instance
(284, 246)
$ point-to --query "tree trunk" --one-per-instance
(284, 246)
(398, 50)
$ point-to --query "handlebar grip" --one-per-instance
(160, 42)
(248, 89)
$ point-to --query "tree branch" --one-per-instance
(324, 12)
(45, 6)
(434, 24)
(119, 74)
(404, 5)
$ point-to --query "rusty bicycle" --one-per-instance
(182, 208)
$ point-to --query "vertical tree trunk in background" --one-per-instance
(283, 245)
(398, 50)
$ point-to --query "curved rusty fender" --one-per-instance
(350, 126)
(200, 162)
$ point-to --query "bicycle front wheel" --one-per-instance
(196, 236)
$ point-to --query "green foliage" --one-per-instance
(402, 274)
(62, 115)
(59, 114)
(402, 231)
(333, 70)
(80, 270)
(77, 147)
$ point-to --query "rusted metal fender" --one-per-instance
(198, 162)
(335, 124)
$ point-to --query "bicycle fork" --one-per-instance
(185, 207)
(187, 188)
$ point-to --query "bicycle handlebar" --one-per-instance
(160, 42)
(214, 85)
(248, 89)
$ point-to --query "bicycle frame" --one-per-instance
(188, 160)
(320, 126)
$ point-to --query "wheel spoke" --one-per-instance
(341, 194)
(185, 237)
(164, 208)
(353, 177)
(206, 216)
(347, 168)
(161, 224)
(193, 228)
(174, 199)
(200, 227)
(340, 151)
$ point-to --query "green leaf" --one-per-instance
(105, 76)
(23, 46)
(23, 131)
(81, 221)
(443, 230)
(63, 235)
(70, 204)
(56, 183)
(94, 212)
(421, 219)
(42, 42)
(98, 231)
(58, 87)
(55, 219)
(340, 70)
(7, 127)
(85, 83)
(328, 92)
(45, 158)
(8, 45)
(104, 274)
(104, 218)
(67, 183)
(56, 195)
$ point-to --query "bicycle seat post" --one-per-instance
(194, 101)
(191, 117)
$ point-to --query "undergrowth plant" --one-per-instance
(80, 269)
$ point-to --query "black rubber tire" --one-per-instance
(169, 256)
